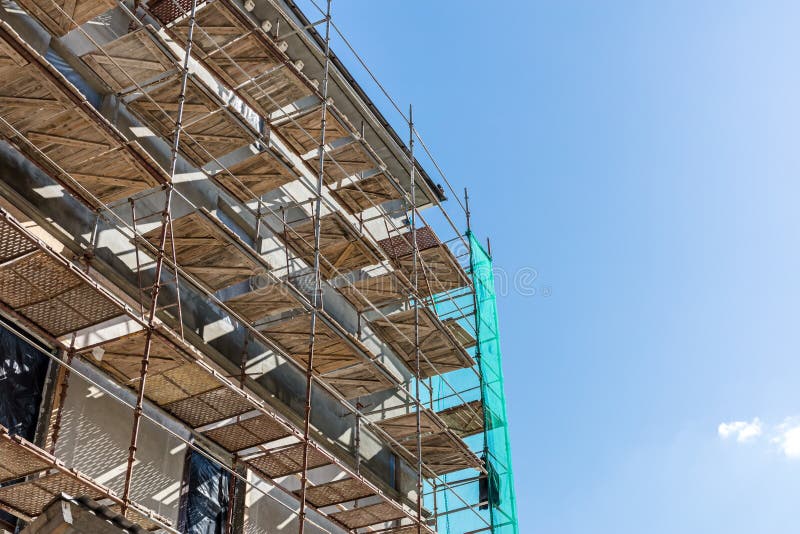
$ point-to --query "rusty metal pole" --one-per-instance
(166, 227)
(62, 396)
(316, 297)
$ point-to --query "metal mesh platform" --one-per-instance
(368, 515)
(16, 462)
(209, 407)
(44, 288)
(171, 377)
(32, 497)
(337, 492)
(443, 352)
(28, 499)
(248, 433)
(51, 122)
(287, 461)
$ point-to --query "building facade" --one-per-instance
(232, 298)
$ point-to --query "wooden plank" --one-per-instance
(255, 176)
(331, 352)
(133, 59)
(340, 245)
(304, 131)
(228, 46)
(358, 380)
(366, 193)
(242, 60)
(210, 130)
(343, 162)
(221, 28)
(442, 451)
(465, 419)
(111, 176)
(61, 16)
(42, 137)
(274, 90)
(36, 103)
(441, 351)
(209, 251)
(369, 291)
(264, 302)
(335, 358)
(51, 124)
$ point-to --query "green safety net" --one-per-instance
(469, 504)
(500, 487)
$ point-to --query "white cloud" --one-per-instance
(788, 439)
(744, 431)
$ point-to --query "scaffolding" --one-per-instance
(216, 83)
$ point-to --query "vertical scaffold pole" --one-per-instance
(477, 316)
(415, 283)
(166, 228)
(316, 296)
(63, 386)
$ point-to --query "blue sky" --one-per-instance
(643, 158)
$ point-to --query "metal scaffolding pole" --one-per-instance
(63, 386)
(415, 282)
(166, 229)
(316, 295)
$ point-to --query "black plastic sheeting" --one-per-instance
(489, 488)
(205, 505)
(23, 370)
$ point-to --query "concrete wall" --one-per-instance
(95, 436)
